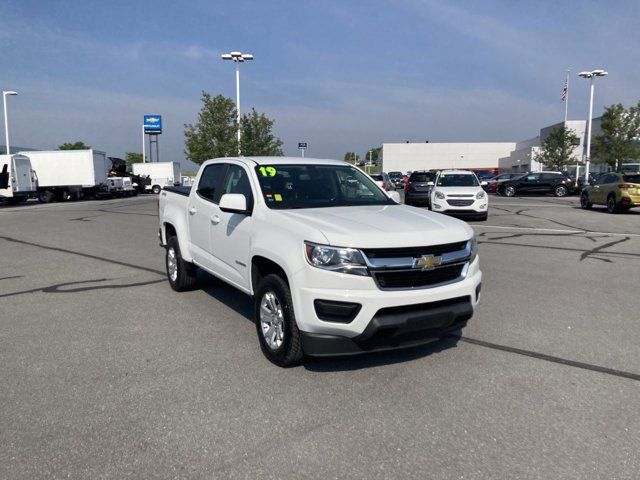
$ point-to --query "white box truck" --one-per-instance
(162, 174)
(69, 174)
(18, 181)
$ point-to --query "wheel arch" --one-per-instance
(261, 267)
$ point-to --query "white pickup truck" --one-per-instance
(336, 266)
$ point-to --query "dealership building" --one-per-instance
(504, 156)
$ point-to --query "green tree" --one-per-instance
(215, 133)
(372, 155)
(79, 145)
(556, 149)
(351, 157)
(620, 135)
(132, 157)
(257, 135)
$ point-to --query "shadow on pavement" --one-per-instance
(233, 298)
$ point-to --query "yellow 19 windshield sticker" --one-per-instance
(267, 171)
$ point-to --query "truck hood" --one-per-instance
(385, 226)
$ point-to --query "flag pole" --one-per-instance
(566, 100)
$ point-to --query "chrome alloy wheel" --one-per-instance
(172, 264)
(271, 320)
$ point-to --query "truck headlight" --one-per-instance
(474, 249)
(440, 195)
(481, 195)
(336, 259)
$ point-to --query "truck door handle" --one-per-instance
(192, 211)
(215, 219)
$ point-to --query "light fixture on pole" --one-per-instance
(6, 120)
(590, 75)
(238, 58)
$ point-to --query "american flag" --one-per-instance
(565, 88)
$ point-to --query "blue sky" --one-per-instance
(341, 75)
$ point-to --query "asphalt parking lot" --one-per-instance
(108, 373)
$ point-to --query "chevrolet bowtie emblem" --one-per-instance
(427, 262)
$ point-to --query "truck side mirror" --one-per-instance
(234, 203)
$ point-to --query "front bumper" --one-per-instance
(479, 207)
(376, 304)
(395, 327)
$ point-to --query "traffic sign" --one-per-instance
(153, 124)
(302, 145)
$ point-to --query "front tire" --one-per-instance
(182, 275)
(276, 324)
(584, 202)
(509, 191)
(46, 196)
(156, 189)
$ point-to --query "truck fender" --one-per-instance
(175, 217)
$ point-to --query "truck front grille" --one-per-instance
(415, 252)
(406, 279)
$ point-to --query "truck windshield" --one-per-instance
(317, 186)
(457, 180)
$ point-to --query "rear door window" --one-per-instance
(632, 178)
(210, 181)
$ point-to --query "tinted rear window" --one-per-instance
(377, 177)
(551, 176)
(422, 177)
(632, 178)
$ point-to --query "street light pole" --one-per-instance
(144, 153)
(238, 58)
(590, 75)
(6, 118)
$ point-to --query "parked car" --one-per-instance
(484, 175)
(618, 191)
(540, 183)
(304, 239)
(492, 184)
(383, 181)
(418, 188)
(459, 192)
(397, 179)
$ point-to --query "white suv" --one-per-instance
(459, 192)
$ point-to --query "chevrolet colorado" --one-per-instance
(335, 265)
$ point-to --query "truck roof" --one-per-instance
(286, 160)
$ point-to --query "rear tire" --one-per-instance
(276, 324)
(584, 202)
(612, 205)
(156, 189)
(182, 275)
(561, 191)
